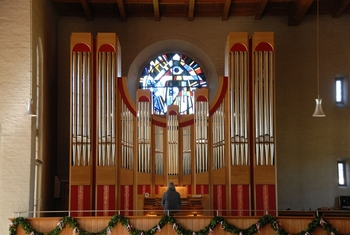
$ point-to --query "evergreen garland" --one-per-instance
(217, 220)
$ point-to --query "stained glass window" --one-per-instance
(172, 79)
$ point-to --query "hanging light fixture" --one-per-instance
(318, 110)
(30, 107)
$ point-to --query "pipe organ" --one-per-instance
(201, 131)
(173, 140)
(222, 155)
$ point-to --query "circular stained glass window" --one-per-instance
(172, 79)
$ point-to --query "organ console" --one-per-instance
(192, 205)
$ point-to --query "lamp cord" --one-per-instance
(318, 52)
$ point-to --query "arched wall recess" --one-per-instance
(171, 46)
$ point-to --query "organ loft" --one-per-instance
(216, 145)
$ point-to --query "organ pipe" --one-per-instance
(127, 142)
(144, 136)
(201, 114)
(106, 108)
(238, 105)
(81, 68)
(264, 109)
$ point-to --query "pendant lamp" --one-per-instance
(318, 110)
(30, 108)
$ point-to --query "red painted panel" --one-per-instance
(106, 48)
(123, 95)
(172, 112)
(239, 47)
(264, 46)
(202, 189)
(126, 200)
(80, 200)
(189, 189)
(81, 47)
(144, 99)
(265, 200)
(142, 189)
(157, 123)
(240, 200)
(106, 200)
(221, 97)
(202, 98)
(220, 199)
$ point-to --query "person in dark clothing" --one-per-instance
(171, 200)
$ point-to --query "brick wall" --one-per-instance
(22, 29)
(15, 72)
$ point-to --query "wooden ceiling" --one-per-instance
(190, 9)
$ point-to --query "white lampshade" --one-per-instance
(318, 110)
(30, 108)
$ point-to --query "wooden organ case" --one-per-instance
(222, 157)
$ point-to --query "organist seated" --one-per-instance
(190, 205)
(171, 200)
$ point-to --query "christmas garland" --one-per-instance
(216, 221)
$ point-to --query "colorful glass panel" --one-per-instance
(172, 79)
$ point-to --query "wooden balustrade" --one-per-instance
(290, 224)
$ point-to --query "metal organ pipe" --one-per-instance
(201, 114)
(264, 97)
(266, 105)
(159, 150)
(143, 117)
(80, 108)
(238, 104)
(173, 159)
(271, 102)
(78, 92)
(218, 138)
(106, 111)
(127, 138)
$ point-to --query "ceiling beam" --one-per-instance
(340, 7)
(260, 10)
(121, 10)
(156, 10)
(226, 10)
(191, 9)
(298, 11)
(87, 10)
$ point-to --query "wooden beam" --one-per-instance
(121, 10)
(298, 11)
(340, 7)
(226, 10)
(87, 9)
(156, 10)
(191, 10)
(260, 9)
